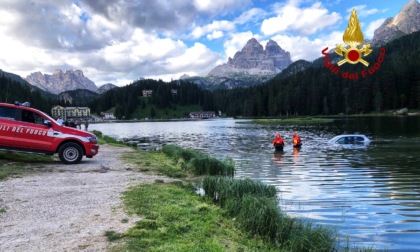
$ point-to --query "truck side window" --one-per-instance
(7, 113)
(28, 116)
(32, 117)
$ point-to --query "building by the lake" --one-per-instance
(70, 112)
(147, 92)
(203, 114)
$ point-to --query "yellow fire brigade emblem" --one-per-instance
(353, 37)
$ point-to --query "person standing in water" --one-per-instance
(297, 142)
(278, 142)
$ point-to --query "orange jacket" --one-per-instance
(278, 140)
(296, 140)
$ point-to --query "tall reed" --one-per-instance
(255, 207)
(222, 188)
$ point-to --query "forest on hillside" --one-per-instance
(164, 95)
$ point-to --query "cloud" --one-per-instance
(215, 35)
(214, 28)
(149, 56)
(220, 6)
(301, 47)
(301, 20)
(157, 16)
(59, 25)
(370, 30)
(89, 36)
(217, 28)
(362, 11)
(252, 15)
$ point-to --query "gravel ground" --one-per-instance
(70, 207)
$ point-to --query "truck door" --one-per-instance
(30, 132)
(7, 121)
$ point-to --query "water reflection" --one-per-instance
(278, 156)
(371, 193)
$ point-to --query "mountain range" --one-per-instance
(61, 81)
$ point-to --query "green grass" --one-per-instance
(177, 219)
(290, 121)
(2, 210)
(198, 163)
(17, 164)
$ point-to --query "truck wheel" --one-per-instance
(70, 153)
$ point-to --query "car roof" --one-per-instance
(350, 135)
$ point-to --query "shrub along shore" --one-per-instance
(233, 215)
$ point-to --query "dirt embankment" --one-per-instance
(70, 207)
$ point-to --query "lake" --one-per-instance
(370, 194)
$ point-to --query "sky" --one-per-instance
(120, 41)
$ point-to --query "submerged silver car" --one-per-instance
(350, 139)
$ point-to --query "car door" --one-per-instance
(31, 132)
(7, 122)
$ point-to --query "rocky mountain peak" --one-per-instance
(78, 73)
(253, 59)
(406, 22)
(106, 87)
(250, 66)
(59, 82)
(56, 72)
(252, 48)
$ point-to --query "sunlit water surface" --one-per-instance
(370, 194)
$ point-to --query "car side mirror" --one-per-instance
(47, 123)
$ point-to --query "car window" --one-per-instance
(32, 117)
(8, 113)
(341, 140)
(359, 139)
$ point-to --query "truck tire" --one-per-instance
(70, 153)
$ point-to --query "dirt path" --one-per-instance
(69, 208)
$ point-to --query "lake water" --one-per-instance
(370, 194)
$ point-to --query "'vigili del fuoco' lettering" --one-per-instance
(328, 64)
(355, 75)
